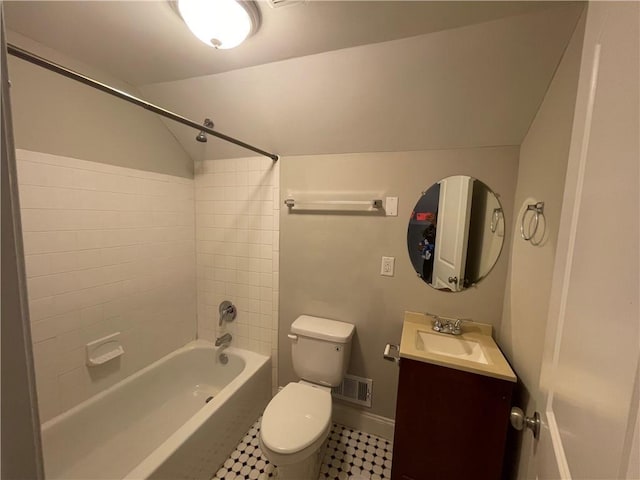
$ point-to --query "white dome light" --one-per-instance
(218, 23)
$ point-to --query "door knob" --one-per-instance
(519, 421)
(453, 279)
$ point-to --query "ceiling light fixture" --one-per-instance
(220, 23)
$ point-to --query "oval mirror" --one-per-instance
(455, 233)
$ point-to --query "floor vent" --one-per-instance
(354, 389)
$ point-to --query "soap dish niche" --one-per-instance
(104, 349)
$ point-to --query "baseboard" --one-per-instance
(363, 420)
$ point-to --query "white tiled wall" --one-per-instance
(107, 249)
(237, 248)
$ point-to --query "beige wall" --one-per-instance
(56, 115)
(330, 264)
(541, 177)
(20, 447)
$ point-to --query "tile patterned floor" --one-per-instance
(350, 455)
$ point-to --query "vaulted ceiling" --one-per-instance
(145, 42)
(328, 77)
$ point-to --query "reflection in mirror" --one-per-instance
(455, 233)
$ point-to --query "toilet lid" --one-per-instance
(295, 418)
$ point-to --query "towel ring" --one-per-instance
(538, 211)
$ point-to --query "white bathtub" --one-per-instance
(157, 423)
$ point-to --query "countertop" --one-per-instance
(498, 367)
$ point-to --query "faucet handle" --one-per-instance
(456, 328)
(437, 324)
(450, 325)
(227, 312)
(458, 321)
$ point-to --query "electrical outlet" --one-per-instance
(387, 266)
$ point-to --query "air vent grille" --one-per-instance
(355, 390)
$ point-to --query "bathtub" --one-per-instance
(158, 423)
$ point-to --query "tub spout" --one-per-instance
(224, 340)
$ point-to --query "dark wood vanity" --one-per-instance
(450, 424)
(452, 419)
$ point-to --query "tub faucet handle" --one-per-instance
(228, 312)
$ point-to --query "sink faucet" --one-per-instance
(449, 325)
(224, 340)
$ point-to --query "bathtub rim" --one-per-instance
(191, 345)
(253, 362)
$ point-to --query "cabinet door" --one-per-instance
(450, 425)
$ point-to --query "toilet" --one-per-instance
(297, 421)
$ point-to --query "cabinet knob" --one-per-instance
(520, 421)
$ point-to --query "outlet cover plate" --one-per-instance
(387, 266)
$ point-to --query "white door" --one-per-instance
(452, 232)
(589, 380)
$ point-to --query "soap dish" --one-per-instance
(102, 350)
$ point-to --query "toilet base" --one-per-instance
(309, 468)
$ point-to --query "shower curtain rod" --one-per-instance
(54, 67)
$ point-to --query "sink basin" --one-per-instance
(474, 351)
(450, 346)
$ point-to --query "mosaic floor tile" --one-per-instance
(350, 455)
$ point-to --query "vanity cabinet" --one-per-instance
(450, 424)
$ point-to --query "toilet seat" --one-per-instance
(297, 417)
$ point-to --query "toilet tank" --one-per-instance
(320, 349)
